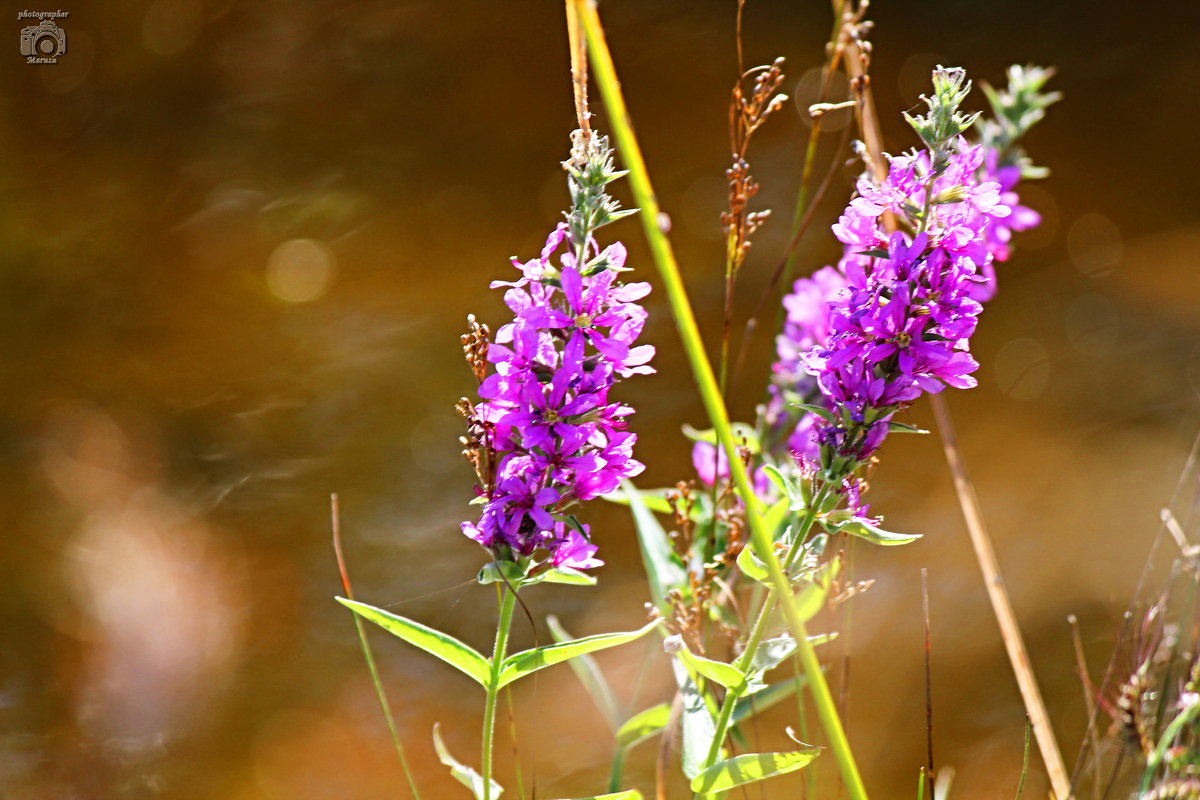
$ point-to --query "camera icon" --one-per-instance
(44, 40)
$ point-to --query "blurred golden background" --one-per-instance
(238, 243)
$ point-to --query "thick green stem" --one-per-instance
(747, 657)
(617, 770)
(507, 601)
(706, 383)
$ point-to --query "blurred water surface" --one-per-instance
(239, 242)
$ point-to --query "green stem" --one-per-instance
(747, 657)
(1182, 720)
(507, 601)
(369, 657)
(706, 383)
(618, 769)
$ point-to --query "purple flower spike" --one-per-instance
(869, 337)
(545, 436)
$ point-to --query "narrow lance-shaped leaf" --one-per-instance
(465, 775)
(876, 535)
(749, 768)
(644, 724)
(589, 674)
(631, 794)
(528, 661)
(727, 675)
(664, 570)
(434, 642)
(772, 652)
(653, 499)
(568, 576)
(697, 722)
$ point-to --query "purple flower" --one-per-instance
(901, 325)
(553, 435)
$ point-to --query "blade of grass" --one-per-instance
(368, 656)
(1025, 758)
(664, 257)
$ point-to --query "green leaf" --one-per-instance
(771, 653)
(756, 703)
(567, 576)
(876, 253)
(514, 575)
(589, 674)
(741, 433)
(664, 570)
(821, 411)
(501, 572)
(875, 535)
(749, 768)
(811, 598)
(727, 675)
(463, 774)
(631, 794)
(750, 566)
(653, 499)
(434, 642)
(786, 487)
(776, 515)
(521, 664)
(696, 722)
(644, 724)
(901, 427)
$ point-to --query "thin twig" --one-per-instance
(1010, 631)
(1024, 759)
(1089, 700)
(368, 656)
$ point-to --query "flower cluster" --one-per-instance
(893, 320)
(805, 325)
(545, 434)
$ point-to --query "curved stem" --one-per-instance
(507, 601)
(706, 382)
